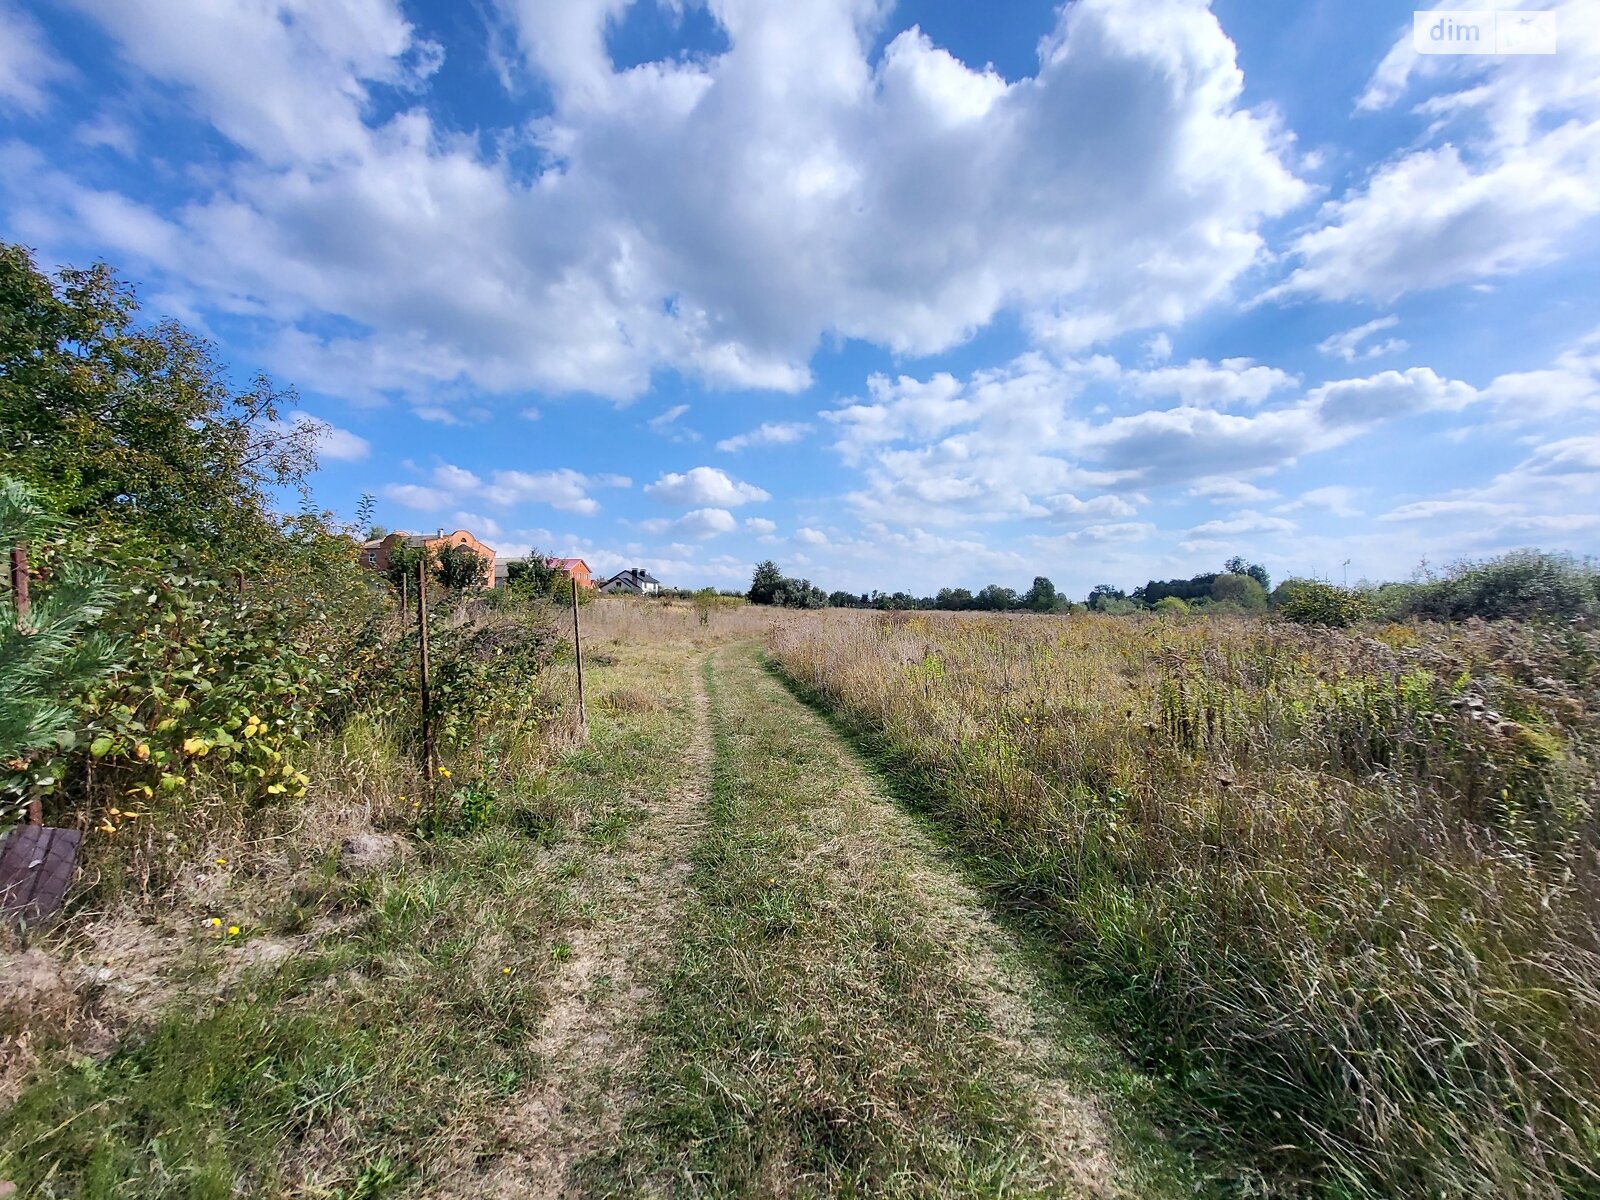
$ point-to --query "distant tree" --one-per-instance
(1170, 606)
(1242, 590)
(1196, 587)
(953, 599)
(1238, 566)
(766, 583)
(1042, 596)
(1103, 592)
(994, 598)
(770, 585)
(460, 568)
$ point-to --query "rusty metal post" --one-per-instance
(422, 639)
(577, 652)
(19, 583)
(19, 598)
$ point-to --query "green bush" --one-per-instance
(1311, 602)
(211, 681)
(54, 653)
(488, 674)
(1524, 583)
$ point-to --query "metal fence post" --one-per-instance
(422, 639)
(21, 602)
(577, 651)
(19, 583)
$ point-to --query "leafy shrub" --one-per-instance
(1311, 602)
(210, 681)
(1524, 583)
(54, 654)
(1170, 606)
(488, 673)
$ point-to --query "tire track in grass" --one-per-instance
(842, 1016)
(589, 1037)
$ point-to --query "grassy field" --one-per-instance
(1330, 899)
(699, 953)
(841, 1018)
(1340, 889)
(344, 1030)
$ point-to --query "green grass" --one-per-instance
(819, 1033)
(1336, 890)
(390, 1042)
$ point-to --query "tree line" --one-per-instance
(1519, 584)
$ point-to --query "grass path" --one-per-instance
(725, 964)
(588, 1041)
(841, 1016)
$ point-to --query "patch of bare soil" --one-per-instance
(589, 1039)
(108, 973)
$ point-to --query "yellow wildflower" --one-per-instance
(216, 922)
(222, 862)
(233, 931)
(445, 771)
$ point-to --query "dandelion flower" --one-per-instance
(505, 970)
(216, 922)
(233, 931)
(445, 771)
(222, 862)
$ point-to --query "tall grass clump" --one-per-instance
(1342, 890)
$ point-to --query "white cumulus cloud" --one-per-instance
(704, 486)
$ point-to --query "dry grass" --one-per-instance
(1342, 889)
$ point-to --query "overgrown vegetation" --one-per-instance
(1342, 889)
(218, 694)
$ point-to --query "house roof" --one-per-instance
(567, 564)
(634, 576)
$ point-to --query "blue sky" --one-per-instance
(899, 295)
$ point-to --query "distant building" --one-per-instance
(635, 581)
(574, 567)
(377, 552)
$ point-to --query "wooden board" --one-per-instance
(36, 865)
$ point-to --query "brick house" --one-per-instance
(376, 552)
(574, 567)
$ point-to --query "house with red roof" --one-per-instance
(575, 568)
